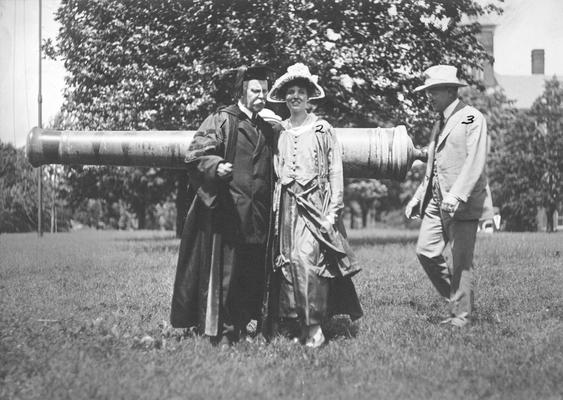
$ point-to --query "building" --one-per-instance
(525, 42)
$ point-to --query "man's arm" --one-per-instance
(207, 167)
(411, 209)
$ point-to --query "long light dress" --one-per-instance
(308, 199)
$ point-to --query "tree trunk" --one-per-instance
(181, 201)
(355, 208)
(365, 212)
(549, 212)
(141, 212)
(53, 203)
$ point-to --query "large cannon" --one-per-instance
(385, 153)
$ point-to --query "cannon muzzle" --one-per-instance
(383, 153)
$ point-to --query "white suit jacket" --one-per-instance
(460, 153)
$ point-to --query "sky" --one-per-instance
(525, 25)
(19, 66)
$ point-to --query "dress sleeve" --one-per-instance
(278, 159)
(335, 175)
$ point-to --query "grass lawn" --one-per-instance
(85, 316)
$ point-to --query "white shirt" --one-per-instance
(245, 110)
(450, 109)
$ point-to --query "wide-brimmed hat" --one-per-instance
(440, 75)
(297, 71)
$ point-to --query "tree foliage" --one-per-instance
(18, 194)
(526, 164)
(548, 111)
(514, 174)
(155, 64)
(364, 195)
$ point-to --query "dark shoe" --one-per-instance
(290, 328)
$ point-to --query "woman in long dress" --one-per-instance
(310, 252)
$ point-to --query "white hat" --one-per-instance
(296, 71)
(440, 75)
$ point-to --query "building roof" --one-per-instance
(523, 89)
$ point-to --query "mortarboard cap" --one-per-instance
(260, 72)
(235, 77)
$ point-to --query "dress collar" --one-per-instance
(310, 120)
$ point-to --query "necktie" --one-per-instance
(441, 122)
(254, 116)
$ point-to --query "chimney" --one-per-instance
(538, 67)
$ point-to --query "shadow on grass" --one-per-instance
(161, 248)
(340, 326)
(436, 311)
(149, 246)
(152, 239)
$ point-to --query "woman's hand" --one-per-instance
(327, 223)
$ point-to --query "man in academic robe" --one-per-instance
(220, 273)
(454, 194)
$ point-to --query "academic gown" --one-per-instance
(222, 215)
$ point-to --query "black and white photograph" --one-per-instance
(281, 199)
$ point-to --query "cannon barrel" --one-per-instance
(384, 153)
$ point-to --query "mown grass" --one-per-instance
(85, 316)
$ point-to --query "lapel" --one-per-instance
(252, 134)
(452, 121)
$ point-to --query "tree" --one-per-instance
(155, 64)
(364, 195)
(514, 174)
(18, 193)
(525, 164)
(548, 111)
(18, 212)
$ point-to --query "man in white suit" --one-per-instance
(454, 194)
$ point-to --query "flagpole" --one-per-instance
(40, 124)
